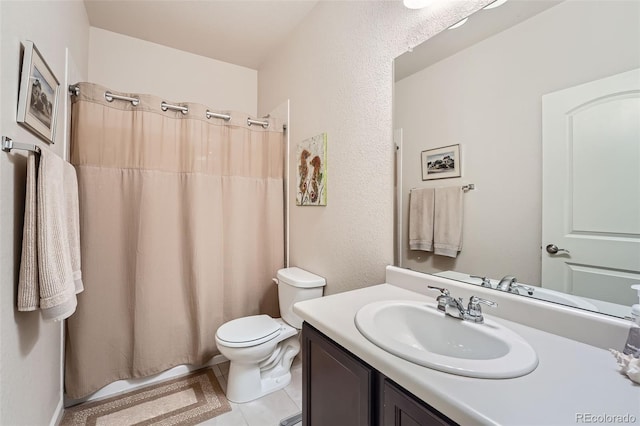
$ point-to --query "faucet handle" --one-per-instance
(474, 302)
(485, 282)
(443, 290)
(444, 299)
(474, 312)
(515, 287)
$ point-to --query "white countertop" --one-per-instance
(571, 377)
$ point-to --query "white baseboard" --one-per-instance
(122, 386)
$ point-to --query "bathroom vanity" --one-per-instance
(347, 379)
(340, 388)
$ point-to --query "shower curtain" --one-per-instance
(181, 221)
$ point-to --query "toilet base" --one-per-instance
(249, 381)
(245, 384)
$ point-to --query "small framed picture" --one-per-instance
(441, 163)
(38, 98)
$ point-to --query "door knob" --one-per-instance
(553, 249)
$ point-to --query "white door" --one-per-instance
(591, 188)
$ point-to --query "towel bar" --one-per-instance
(469, 187)
(465, 188)
(8, 144)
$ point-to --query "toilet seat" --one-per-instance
(248, 331)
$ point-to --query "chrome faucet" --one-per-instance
(454, 307)
(485, 281)
(447, 303)
(506, 283)
(510, 285)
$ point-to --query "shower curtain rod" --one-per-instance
(110, 97)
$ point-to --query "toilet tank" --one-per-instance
(296, 285)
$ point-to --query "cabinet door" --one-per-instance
(400, 408)
(337, 386)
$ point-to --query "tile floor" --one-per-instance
(266, 411)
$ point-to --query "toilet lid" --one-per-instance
(248, 331)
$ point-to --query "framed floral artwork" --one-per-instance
(311, 156)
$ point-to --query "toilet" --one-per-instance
(260, 348)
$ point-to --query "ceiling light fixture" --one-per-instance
(458, 24)
(415, 4)
(493, 5)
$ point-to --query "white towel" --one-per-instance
(50, 275)
(421, 202)
(447, 221)
(28, 283)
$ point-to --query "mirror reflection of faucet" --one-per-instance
(510, 285)
(539, 293)
(485, 281)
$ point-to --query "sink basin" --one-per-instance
(418, 332)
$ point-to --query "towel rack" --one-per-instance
(465, 188)
(8, 144)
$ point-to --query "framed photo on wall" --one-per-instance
(441, 163)
(38, 97)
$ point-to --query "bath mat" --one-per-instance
(187, 400)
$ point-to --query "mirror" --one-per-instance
(509, 88)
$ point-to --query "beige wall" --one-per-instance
(488, 99)
(128, 64)
(30, 349)
(336, 69)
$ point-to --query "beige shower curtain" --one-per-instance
(181, 221)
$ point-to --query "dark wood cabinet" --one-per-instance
(339, 389)
(399, 408)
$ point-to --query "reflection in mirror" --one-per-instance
(543, 98)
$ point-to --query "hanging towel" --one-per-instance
(50, 274)
(447, 222)
(28, 287)
(421, 208)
